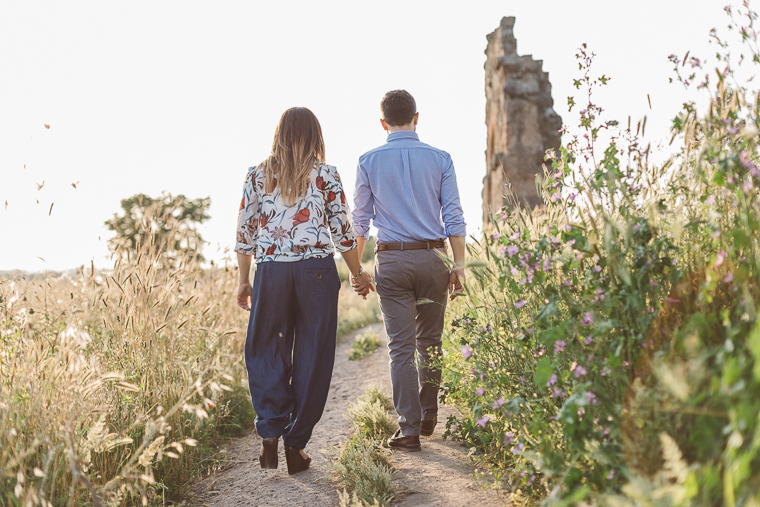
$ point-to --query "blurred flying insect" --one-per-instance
(75, 185)
(40, 185)
(47, 126)
(6, 205)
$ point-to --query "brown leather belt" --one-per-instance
(411, 245)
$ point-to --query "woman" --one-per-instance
(293, 207)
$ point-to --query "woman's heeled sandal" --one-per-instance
(296, 461)
(268, 456)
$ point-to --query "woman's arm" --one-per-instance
(361, 281)
(244, 278)
(246, 242)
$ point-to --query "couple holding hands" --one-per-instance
(293, 216)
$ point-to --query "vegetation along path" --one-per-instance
(440, 475)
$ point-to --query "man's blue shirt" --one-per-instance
(408, 190)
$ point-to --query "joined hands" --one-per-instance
(363, 284)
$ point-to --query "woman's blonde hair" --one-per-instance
(297, 146)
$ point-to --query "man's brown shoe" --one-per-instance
(402, 443)
(427, 427)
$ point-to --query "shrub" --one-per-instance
(375, 394)
(364, 466)
(609, 349)
(362, 463)
(365, 344)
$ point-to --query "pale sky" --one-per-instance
(184, 96)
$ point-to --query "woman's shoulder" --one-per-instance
(324, 169)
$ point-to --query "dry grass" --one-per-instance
(354, 312)
(116, 386)
(362, 463)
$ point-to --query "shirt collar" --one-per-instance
(403, 134)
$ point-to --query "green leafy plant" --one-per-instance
(364, 345)
(610, 340)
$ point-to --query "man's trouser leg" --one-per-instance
(403, 278)
(431, 282)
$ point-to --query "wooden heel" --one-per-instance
(296, 462)
(268, 456)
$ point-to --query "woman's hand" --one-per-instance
(363, 284)
(244, 296)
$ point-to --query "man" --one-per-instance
(408, 190)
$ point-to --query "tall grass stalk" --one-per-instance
(114, 383)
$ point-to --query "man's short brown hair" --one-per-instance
(398, 107)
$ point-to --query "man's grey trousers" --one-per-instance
(412, 286)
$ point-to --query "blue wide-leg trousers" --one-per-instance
(290, 346)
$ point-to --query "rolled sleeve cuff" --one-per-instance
(345, 245)
(456, 230)
(244, 249)
(361, 231)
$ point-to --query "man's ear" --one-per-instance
(385, 125)
(416, 117)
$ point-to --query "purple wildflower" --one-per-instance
(552, 380)
(466, 352)
(512, 250)
(653, 283)
(518, 448)
(509, 437)
(483, 421)
(597, 269)
(720, 257)
(495, 236)
(480, 391)
(559, 346)
(587, 319)
(728, 278)
(580, 371)
(502, 250)
(710, 200)
(498, 403)
(519, 304)
(588, 340)
(591, 397)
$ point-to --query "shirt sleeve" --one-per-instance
(364, 202)
(338, 212)
(248, 217)
(451, 209)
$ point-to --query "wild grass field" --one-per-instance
(117, 385)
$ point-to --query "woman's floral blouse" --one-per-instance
(271, 231)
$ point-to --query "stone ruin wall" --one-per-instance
(520, 119)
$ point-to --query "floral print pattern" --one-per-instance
(272, 231)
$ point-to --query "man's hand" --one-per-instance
(244, 296)
(363, 285)
(457, 279)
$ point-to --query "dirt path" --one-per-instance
(439, 476)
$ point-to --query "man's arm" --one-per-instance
(364, 207)
(458, 277)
